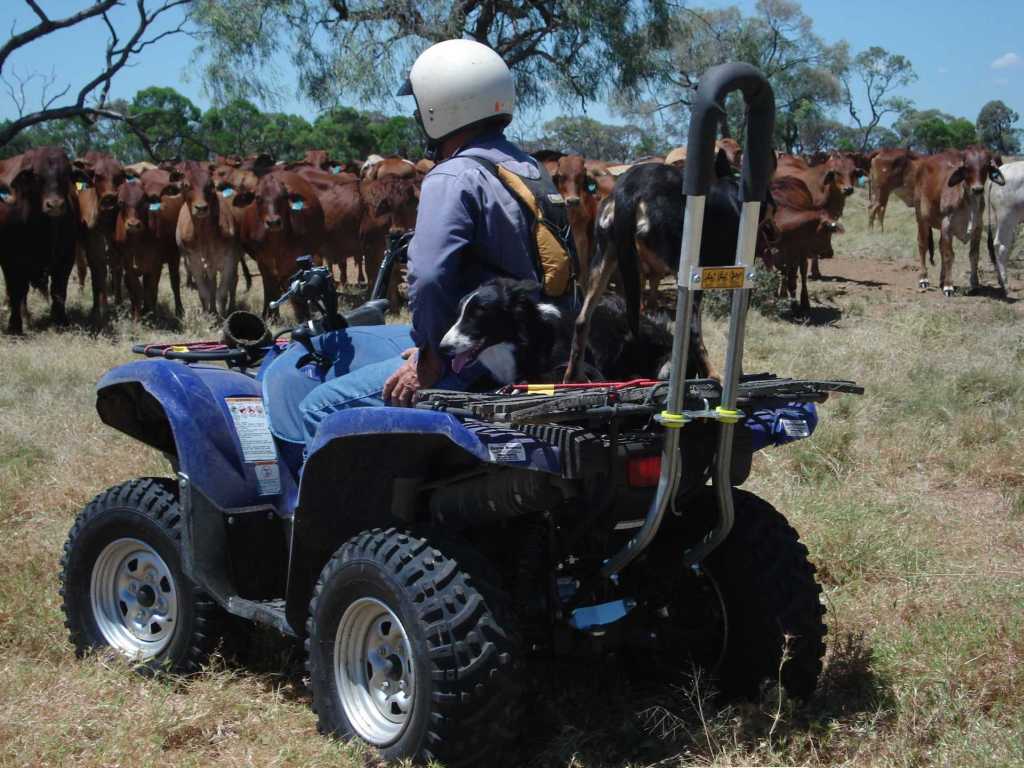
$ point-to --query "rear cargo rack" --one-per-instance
(534, 404)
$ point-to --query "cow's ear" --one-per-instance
(830, 177)
(723, 168)
(82, 177)
(996, 176)
(176, 176)
(80, 164)
(957, 177)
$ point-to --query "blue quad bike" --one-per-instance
(426, 556)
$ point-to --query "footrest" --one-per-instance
(270, 612)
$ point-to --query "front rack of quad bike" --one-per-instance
(559, 403)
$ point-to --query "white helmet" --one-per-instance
(458, 83)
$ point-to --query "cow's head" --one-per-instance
(197, 187)
(281, 203)
(104, 174)
(842, 172)
(571, 179)
(730, 152)
(976, 166)
(139, 203)
(230, 182)
(394, 198)
(51, 179)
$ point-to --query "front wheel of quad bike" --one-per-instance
(412, 653)
(753, 600)
(122, 583)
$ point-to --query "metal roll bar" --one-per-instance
(706, 115)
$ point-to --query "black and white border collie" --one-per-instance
(516, 337)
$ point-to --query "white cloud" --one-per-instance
(1006, 61)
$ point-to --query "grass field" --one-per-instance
(910, 499)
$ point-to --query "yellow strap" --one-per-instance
(727, 415)
(178, 349)
(540, 389)
(518, 188)
(670, 420)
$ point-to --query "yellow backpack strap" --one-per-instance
(520, 191)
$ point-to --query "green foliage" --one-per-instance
(169, 120)
(933, 131)
(561, 49)
(874, 75)
(995, 127)
(591, 138)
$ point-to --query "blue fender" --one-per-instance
(183, 410)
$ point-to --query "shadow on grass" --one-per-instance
(816, 316)
(600, 716)
(849, 280)
(990, 292)
(604, 714)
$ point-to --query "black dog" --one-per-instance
(517, 338)
(640, 229)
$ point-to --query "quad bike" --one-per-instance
(427, 556)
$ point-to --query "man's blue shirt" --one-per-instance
(469, 229)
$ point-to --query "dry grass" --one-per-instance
(910, 500)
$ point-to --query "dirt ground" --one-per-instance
(910, 500)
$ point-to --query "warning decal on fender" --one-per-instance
(268, 478)
(250, 420)
(795, 427)
(506, 452)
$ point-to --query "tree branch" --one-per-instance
(47, 25)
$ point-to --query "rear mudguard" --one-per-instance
(365, 469)
(185, 411)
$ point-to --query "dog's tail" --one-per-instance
(624, 243)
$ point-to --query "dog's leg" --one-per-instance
(600, 275)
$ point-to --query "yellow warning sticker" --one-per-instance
(726, 278)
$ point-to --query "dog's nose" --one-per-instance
(53, 206)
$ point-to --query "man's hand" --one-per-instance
(421, 370)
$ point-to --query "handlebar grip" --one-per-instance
(706, 114)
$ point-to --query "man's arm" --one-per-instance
(444, 228)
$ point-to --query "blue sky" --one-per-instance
(963, 57)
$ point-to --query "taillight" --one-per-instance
(643, 471)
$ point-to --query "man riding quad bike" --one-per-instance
(426, 555)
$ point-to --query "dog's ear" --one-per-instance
(529, 287)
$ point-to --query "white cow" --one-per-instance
(1005, 213)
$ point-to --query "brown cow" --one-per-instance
(97, 201)
(801, 230)
(144, 240)
(888, 167)
(208, 238)
(829, 183)
(948, 195)
(580, 192)
(284, 221)
(391, 205)
(377, 167)
(344, 211)
(41, 247)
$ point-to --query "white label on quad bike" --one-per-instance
(251, 425)
(507, 452)
(268, 478)
(795, 427)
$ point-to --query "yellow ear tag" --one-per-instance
(79, 185)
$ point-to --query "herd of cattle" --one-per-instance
(122, 223)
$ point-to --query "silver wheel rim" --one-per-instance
(134, 598)
(373, 671)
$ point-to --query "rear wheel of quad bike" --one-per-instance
(772, 603)
(410, 652)
(753, 599)
(122, 583)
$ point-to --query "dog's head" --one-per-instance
(501, 324)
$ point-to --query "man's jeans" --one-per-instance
(365, 358)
